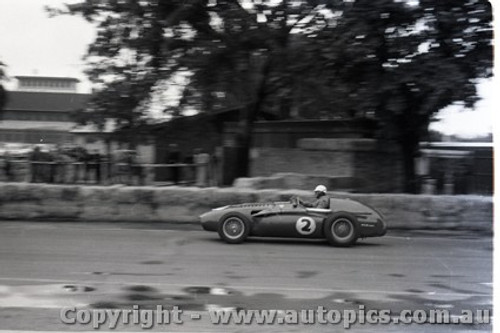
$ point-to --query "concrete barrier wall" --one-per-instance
(22, 201)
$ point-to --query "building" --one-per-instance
(106, 142)
(456, 167)
(47, 84)
(38, 111)
(340, 152)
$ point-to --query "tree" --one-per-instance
(234, 54)
(396, 60)
(405, 62)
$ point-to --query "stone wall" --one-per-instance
(20, 201)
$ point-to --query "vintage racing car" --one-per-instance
(342, 224)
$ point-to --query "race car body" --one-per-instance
(342, 224)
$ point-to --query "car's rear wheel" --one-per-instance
(234, 228)
(341, 230)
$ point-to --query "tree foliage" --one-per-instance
(403, 63)
(396, 60)
(221, 46)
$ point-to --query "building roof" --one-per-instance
(45, 101)
(55, 78)
(36, 125)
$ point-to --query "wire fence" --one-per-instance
(107, 173)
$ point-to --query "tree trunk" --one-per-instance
(248, 117)
(409, 150)
(3, 100)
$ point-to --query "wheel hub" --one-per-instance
(234, 228)
(342, 229)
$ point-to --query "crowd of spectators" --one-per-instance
(77, 165)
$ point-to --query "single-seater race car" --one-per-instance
(342, 224)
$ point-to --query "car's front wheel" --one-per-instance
(340, 229)
(234, 228)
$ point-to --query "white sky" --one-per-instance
(31, 43)
(470, 123)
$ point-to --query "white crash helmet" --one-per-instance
(320, 188)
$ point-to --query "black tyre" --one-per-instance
(341, 229)
(234, 228)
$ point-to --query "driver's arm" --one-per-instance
(305, 203)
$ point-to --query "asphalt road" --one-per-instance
(45, 267)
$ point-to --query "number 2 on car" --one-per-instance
(305, 225)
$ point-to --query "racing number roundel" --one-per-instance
(305, 225)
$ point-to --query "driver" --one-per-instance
(322, 200)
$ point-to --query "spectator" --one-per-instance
(93, 166)
(53, 169)
(202, 161)
(137, 169)
(80, 156)
(64, 166)
(190, 170)
(36, 168)
(217, 166)
(7, 167)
